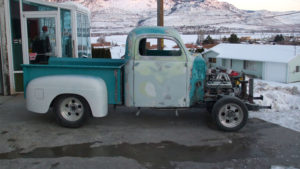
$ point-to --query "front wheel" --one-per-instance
(71, 110)
(230, 114)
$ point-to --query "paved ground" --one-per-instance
(155, 139)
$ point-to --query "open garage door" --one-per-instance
(275, 72)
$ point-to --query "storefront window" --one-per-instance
(30, 6)
(79, 35)
(66, 33)
(88, 38)
(83, 35)
(41, 39)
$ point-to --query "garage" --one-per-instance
(275, 72)
(278, 63)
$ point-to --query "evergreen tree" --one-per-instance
(279, 38)
(208, 40)
(233, 39)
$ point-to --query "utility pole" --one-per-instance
(160, 21)
(160, 12)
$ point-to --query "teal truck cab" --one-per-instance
(165, 76)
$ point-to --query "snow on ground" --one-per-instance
(285, 102)
(117, 52)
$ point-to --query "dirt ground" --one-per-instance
(155, 139)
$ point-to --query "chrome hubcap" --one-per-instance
(230, 115)
(71, 109)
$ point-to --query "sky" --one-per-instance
(271, 5)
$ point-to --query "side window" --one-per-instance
(297, 68)
(159, 47)
(212, 60)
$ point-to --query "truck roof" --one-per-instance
(157, 30)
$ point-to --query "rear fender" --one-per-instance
(41, 92)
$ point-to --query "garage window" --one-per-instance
(297, 68)
(249, 65)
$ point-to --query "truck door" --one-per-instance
(160, 73)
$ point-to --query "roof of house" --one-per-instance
(263, 53)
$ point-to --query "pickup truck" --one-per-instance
(148, 76)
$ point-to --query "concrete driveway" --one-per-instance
(155, 139)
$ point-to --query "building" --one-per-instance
(34, 30)
(280, 63)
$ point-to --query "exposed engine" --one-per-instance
(220, 82)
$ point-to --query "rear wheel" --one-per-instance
(71, 110)
(230, 114)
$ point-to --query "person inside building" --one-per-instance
(42, 47)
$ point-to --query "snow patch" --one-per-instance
(282, 97)
(281, 167)
(285, 102)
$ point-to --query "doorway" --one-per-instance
(40, 37)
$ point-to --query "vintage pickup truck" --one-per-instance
(148, 76)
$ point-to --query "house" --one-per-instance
(31, 31)
(280, 63)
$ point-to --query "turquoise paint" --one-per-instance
(87, 62)
(129, 46)
(197, 80)
(150, 30)
(109, 70)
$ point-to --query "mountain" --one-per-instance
(188, 16)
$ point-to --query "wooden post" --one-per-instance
(160, 12)
(4, 64)
(160, 21)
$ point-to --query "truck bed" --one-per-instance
(110, 70)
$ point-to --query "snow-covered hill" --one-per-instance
(120, 16)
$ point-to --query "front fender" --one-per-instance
(197, 80)
(40, 92)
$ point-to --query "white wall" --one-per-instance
(294, 76)
(273, 71)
